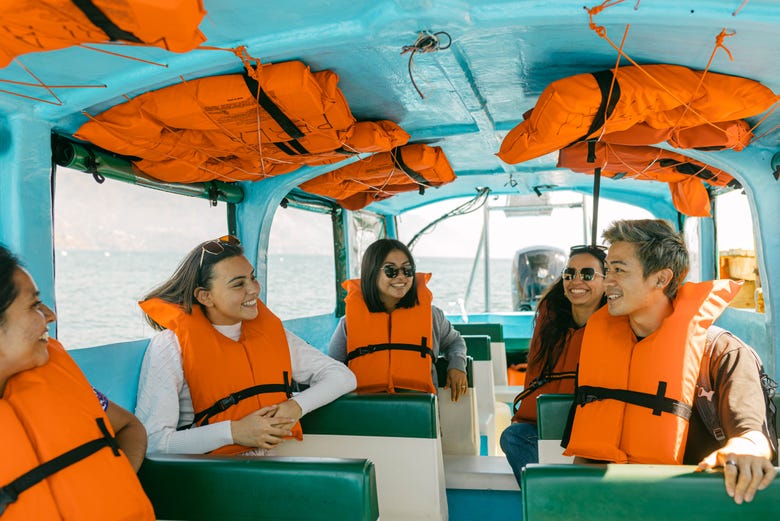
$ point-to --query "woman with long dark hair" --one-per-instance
(391, 334)
(555, 347)
(67, 451)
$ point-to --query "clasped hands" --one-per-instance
(266, 427)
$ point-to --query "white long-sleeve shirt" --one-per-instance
(164, 401)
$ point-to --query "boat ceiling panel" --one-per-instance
(503, 54)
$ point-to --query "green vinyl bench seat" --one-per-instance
(552, 412)
(478, 348)
(228, 488)
(647, 492)
(401, 415)
(398, 433)
(495, 330)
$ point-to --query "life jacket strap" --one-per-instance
(422, 348)
(540, 381)
(223, 404)
(10, 492)
(101, 20)
(657, 402)
(291, 148)
(272, 108)
(398, 160)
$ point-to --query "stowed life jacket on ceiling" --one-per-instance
(389, 351)
(404, 169)
(33, 26)
(46, 412)
(634, 398)
(229, 379)
(684, 175)
(675, 99)
(270, 120)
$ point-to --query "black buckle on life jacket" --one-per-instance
(7, 496)
(226, 403)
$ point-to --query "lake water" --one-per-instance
(97, 292)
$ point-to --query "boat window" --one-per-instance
(453, 250)
(692, 233)
(113, 243)
(301, 278)
(364, 229)
(737, 249)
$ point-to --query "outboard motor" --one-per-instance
(534, 269)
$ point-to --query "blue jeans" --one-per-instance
(520, 443)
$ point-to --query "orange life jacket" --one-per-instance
(228, 379)
(268, 121)
(46, 412)
(389, 351)
(672, 98)
(559, 381)
(649, 423)
(410, 167)
(32, 26)
(684, 175)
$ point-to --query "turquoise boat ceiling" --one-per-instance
(503, 54)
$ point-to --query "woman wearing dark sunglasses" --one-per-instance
(555, 347)
(218, 377)
(391, 333)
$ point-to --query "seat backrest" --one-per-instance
(114, 369)
(237, 488)
(478, 348)
(316, 330)
(459, 420)
(776, 401)
(399, 433)
(648, 492)
(495, 331)
(552, 411)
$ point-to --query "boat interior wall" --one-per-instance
(114, 369)
(26, 193)
(316, 330)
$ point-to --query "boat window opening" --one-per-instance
(737, 248)
(113, 243)
(454, 250)
(301, 278)
(364, 228)
(692, 230)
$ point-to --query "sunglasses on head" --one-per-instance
(586, 274)
(595, 249)
(216, 247)
(391, 271)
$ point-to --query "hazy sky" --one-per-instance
(124, 217)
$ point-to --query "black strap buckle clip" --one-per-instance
(225, 403)
(7, 497)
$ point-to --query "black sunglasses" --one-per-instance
(391, 271)
(586, 274)
(216, 247)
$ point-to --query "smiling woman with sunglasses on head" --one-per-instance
(218, 377)
(392, 334)
(555, 347)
